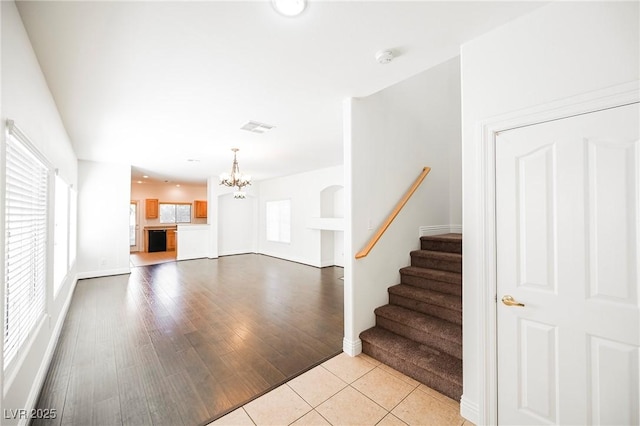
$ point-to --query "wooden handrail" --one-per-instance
(372, 242)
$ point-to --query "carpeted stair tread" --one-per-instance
(451, 243)
(451, 257)
(428, 296)
(433, 274)
(432, 279)
(434, 368)
(437, 327)
(451, 262)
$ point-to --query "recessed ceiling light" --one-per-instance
(289, 8)
(145, 176)
(139, 181)
(178, 185)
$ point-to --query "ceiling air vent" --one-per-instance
(257, 127)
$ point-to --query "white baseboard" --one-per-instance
(103, 273)
(292, 259)
(32, 399)
(425, 231)
(352, 347)
(469, 410)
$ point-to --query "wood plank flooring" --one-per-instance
(181, 343)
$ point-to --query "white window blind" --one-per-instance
(25, 245)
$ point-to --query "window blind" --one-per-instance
(25, 245)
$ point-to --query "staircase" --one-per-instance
(420, 331)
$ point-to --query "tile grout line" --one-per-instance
(248, 415)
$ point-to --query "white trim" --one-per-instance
(428, 230)
(293, 259)
(104, 273)
(352, 347)
(36, 388)
(18, 361)
(469, 410)
(15, 131)
(424, 231)
(485, 252)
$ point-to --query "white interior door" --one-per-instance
(567, 208)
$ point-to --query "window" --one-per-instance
(175, 213)
(73, 225)
(279, 221)
(60, 234)
(27, 181)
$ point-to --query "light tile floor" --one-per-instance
(349, 391)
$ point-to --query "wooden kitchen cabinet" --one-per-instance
(151, 208)
(171, 239)
(200, 209)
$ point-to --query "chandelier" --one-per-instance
(235, 178)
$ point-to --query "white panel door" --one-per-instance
(567, 208)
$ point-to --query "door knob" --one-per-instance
(510, 301)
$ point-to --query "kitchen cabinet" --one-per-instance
(200, 209)
(151, 208)
(171, 239)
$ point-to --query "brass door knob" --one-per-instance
(510, 301)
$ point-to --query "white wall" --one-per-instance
(237, 225)
(26, 99)
(332, 241)
(103, 221)
(559, 51)
(304, 191)
(221, 240)
(389, 137)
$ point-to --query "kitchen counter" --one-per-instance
(193, 241)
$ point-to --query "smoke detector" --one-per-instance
(384, 56)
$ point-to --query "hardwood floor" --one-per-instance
(183, 342)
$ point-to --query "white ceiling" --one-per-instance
(155, 83)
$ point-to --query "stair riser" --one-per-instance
(441, 384)
(421, 336)
(441, 264)
(427, 308)
(446, 246)
(428, 284)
